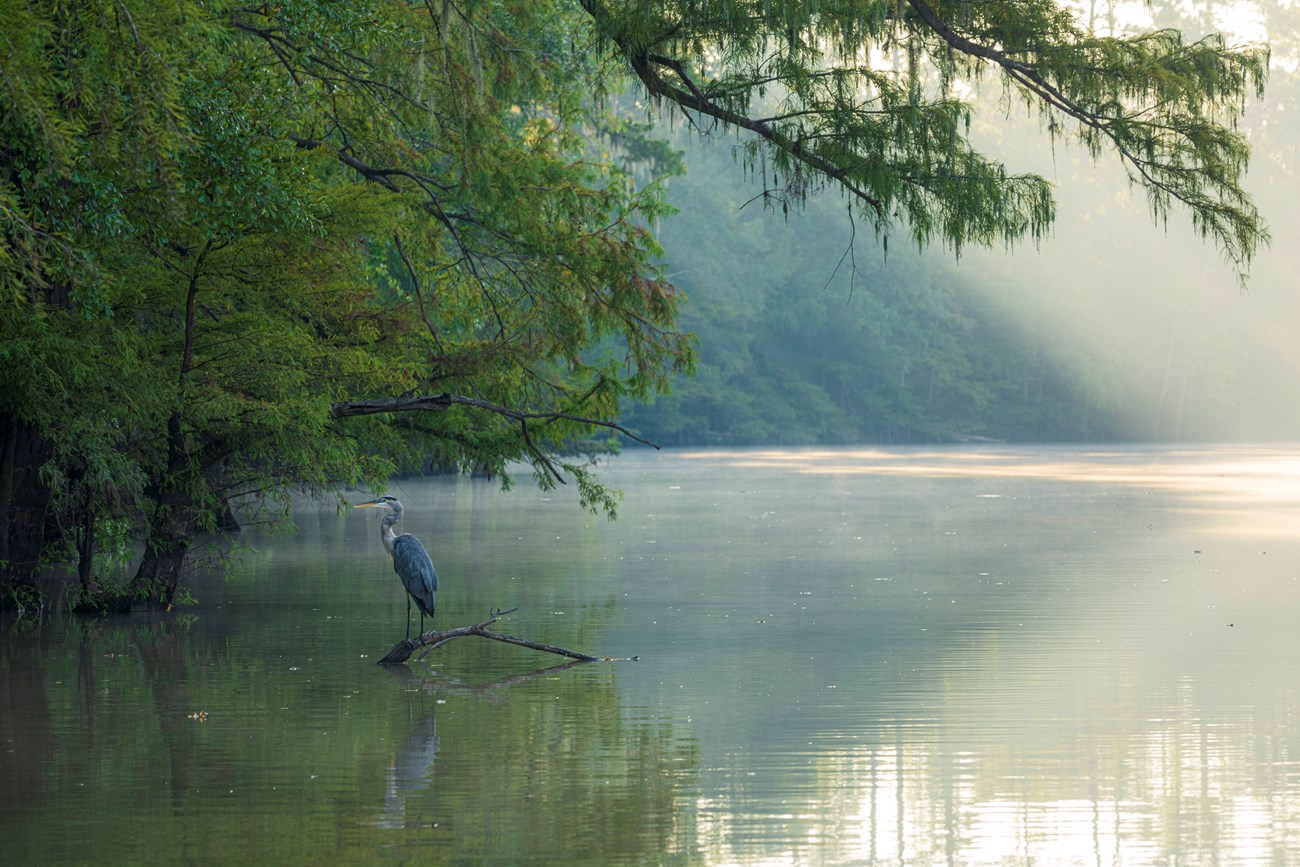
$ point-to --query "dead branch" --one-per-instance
(434, 639)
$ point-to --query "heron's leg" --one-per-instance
(408, 618)
(421, 621)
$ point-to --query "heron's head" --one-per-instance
(391, 502)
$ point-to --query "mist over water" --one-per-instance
(846, 656)
(881, 656)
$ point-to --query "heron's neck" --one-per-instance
(388, 535)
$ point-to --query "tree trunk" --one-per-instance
(159, 573)
(24, 501)
(171, 528)
(86, 550)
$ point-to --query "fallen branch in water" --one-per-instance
(434, 639)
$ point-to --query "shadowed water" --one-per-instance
(956, 656)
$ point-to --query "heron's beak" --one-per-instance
(368, 505)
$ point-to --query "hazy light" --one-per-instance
(1222, 486)
(1241, 21)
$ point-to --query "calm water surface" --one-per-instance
(957, 656)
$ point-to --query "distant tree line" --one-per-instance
(805, 340)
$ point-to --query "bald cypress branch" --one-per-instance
(864, 96)
(443, 402)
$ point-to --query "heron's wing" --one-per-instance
(413, 566)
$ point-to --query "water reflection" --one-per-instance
(1183, 791)
(1180, 789)
(989, 657)
(308, 752)
(900, 657)
(27, 741)
(410, 772)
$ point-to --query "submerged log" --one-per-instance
(434, 639)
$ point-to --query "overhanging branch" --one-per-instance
(690, 96)
(443, 402)
(1155, 174)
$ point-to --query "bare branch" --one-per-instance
(434, 639)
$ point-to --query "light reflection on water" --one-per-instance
(1260, 476)
(1060, 657)
(909, 656)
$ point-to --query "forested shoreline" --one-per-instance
(800, 345)
(253, 251)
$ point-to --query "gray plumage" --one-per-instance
(411, 561)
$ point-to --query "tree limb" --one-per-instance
(690, 96)
(444, 401)
(434, 639)
(1166, 176)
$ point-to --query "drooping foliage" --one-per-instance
(250, 249)
(228, 227)
(866, 95)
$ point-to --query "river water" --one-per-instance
(966, 656)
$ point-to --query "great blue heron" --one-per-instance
(410, 561)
